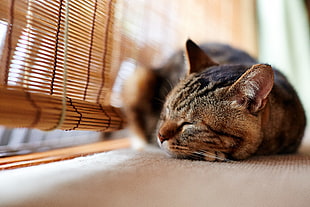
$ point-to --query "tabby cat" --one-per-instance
(228, 107)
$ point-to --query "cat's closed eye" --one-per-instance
(185, 125)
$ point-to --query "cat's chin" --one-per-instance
(195, 155)
(165, 147)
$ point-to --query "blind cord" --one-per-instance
(64, 94)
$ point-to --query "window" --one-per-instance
(60, 58)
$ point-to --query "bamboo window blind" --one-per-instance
(56, 61)
(59, 58)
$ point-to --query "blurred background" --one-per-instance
(284, 41)
(147, 32)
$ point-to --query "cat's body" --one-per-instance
(230, 110)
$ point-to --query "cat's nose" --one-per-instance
(162, 138)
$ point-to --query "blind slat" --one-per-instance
(43, 111)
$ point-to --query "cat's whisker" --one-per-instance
(196, 156)
(180, 147)
(159, 100)
(164, 91)
(170, 84)
(185, 151)
(203, 155)
(214, 155)
(180, 151)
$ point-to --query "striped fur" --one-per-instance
(231, 112)
(227, 108)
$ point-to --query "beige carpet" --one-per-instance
(150, 178)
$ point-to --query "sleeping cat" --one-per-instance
(227, 107)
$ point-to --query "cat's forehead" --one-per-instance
(203, 85)
(223, 74)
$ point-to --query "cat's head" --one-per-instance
(216, 112)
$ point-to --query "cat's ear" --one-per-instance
(251, 90)
(197, 58)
